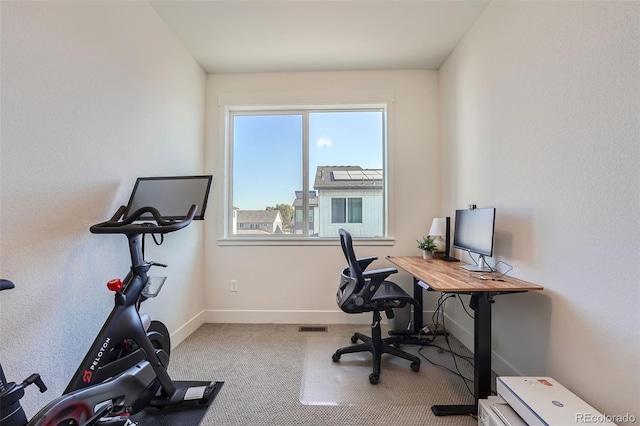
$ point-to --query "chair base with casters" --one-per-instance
(377, 346)
(361, 291)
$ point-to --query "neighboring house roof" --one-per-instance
(258, 216)
(313, 202)
(300, 194)
(348, 177)
(313, 199)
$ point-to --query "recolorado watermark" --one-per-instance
(604, 418)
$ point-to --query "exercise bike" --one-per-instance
(125, 370)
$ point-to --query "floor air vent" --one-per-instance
(313, 329)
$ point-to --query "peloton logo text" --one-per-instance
(88, 374)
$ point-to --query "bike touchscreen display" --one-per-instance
(172, 196)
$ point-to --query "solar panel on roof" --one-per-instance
(357, 175)
(373, 174)
(341, 175)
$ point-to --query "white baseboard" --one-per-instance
(187, 329)
(465, 336)
(498, 363)
(283, 317)
(288, 317)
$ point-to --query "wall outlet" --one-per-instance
(234, 285)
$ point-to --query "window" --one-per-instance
(346, 208)
(354, 210)
(321, 169)
(338, 210)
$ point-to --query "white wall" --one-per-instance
(94, 94)
(540, 107)
(297, 284)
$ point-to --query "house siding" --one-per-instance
(372, 213)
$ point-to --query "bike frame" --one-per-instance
(123, 323)
(113, 374)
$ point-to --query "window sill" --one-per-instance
(284, 241)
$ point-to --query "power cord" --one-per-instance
(494, 269)
(466, 380)
(438, 314)
(505, 272)
(484, 277)
(439, 321)
(464, 307)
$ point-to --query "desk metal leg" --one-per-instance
(481, 305)
(415, 335)
(417, 313)
(482, 344)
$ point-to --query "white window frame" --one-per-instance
(230, 104)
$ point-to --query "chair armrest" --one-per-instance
(374, 279)
(364, 262)
(379, 274)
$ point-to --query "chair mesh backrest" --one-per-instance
(354, 268)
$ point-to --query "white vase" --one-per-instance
(427, 254)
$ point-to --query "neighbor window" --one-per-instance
(346, 210)
(338, 210)
(307, 172)
(354, 210)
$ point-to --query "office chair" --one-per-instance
(360, 292)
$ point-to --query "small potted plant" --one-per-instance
(428, 246)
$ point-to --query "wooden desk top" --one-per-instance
(449, 277)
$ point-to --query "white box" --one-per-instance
(486, 415)
(542, 401)
(495, 411)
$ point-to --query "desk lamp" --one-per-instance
(439, 227)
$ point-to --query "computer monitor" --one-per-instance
(172, 196)
(474, 232)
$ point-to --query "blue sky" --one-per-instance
(267, 163)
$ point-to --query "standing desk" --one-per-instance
(448, 277)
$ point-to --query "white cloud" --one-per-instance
(323, 142)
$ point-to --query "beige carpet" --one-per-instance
(265, 369)
(346, 382)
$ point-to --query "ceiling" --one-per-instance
(238, 36)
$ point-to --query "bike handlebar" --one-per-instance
(127, 227)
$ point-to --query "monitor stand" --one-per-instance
(447, 256)
(480, 267)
